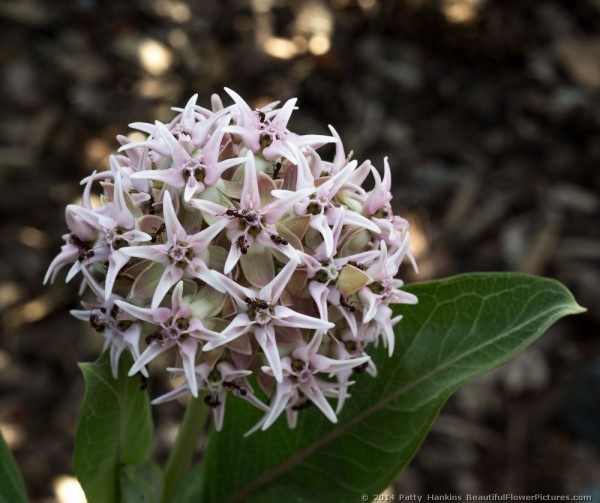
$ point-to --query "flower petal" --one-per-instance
(274, 289)
(171, 276)
(188, 348)
(265, 336)
(250, 196)
(285, 317)
(314, 393)
(175, 230)
(149, 354)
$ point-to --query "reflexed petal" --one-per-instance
(121, 213)
(171, 276)
(188, 348)
(314, 393)
(208, 207)
(282, 118)
(314, 140)
(233, 257)
(115, 353)
(142, 313)
(200, 241)
(250, 196)
(75, 268)
(214, 172)
(274, 211)
(171, 176)
(283, 392)
(116, 262)
(212, 148)
(192, 186)
(240, 325)
(238, 292)
(369, 299)
(332, 186)
(285, 317)
(274, 289)
(251, 138)
(179, 308)
(319, 223)
(68, 255)
(149, 354)
(219, 411)
(353, 218)
(183, 390)
(324, 364)
(308, 352)
(83, 315)
(266, 339)
(175, 230)
(179, 154)
(319, 292)
(155, 253)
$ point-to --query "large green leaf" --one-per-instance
(462, 327)
(12, 488)
(114, 433)
(141, 483)
(190, 488)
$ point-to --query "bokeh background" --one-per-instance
(488, 110)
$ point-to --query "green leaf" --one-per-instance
(462, 327)
(114, 431)
(141, 483)
(12, 488)
(190, 488)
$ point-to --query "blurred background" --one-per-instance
(488, 110)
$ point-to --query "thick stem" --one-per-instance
(185, 446)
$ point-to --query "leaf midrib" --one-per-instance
(298, 457)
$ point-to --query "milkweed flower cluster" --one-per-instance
(225, 239)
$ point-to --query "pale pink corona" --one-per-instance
(225, 240)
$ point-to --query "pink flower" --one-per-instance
(350, 346)
(177, 327)
(267, 129)
(385, 289)
(190, 173)
(252, 222)
(258, 312)
(319, 201)
(115, 232)
(323, 270)
(299, 381)
(120, 330)
(218, 381)
(180, 255)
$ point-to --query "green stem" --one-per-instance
(186, 444)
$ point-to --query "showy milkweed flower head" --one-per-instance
(226, 241)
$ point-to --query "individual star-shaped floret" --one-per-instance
(217, 381)
(319, 201)
(180, 255)
(259, 312)
(177, 326)
(253, 221)
(385, 289)
(191, 173)
(120, 330)
(116, 231)
(324, 269)
(78, 241)
(267, 129)
(300, 380)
